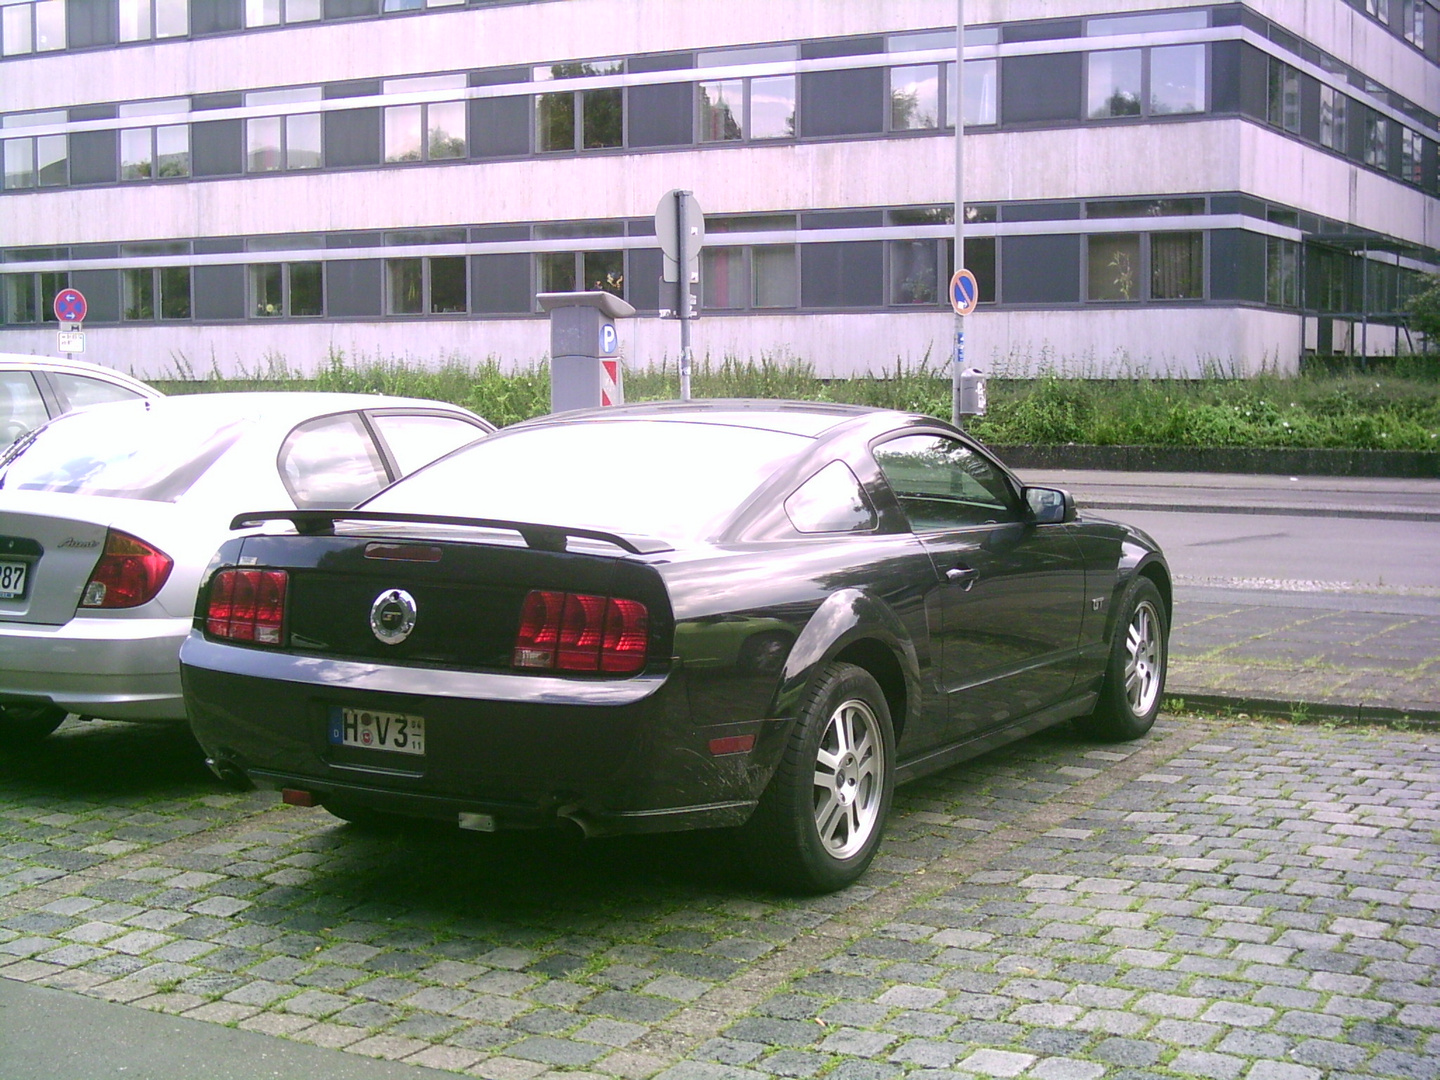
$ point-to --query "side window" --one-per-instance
(830, 501)
(21, 407)
(81, 390)
(943, 484)
(414, 440)
(331, 463)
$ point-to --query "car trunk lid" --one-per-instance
(427, 595)
(49, 545)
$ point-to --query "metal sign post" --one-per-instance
(680, 229)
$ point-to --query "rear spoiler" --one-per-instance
(539, 537)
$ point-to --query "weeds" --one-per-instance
(1394, 409)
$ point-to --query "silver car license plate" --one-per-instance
(373, 730)
(12, 579)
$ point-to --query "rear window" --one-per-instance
(643, 477)
(122, 452)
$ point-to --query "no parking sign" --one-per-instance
(70, 306)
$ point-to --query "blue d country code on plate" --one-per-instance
(372, 730)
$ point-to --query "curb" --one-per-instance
(1397, 464)
(1303, 712)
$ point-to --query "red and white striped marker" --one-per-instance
(610, 391)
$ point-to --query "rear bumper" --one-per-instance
(112, 668)
(609, 755)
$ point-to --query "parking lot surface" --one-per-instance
(1222, 899)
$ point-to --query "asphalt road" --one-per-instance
(1301, 535)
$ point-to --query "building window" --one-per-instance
(293, 290)
(1282, 272)
(919, 269)
(753, 107)
(1334, 107)
(277, 12)
(36, 160)
(581, 271)
(1412, 22)
(416, 5)
(1177, 79)
(915, 97)
(580, 119)
(762, 276)
(1114, 267)
(32, 27)
(142, 20)
(148, 153)
(276, 143)
(1165, 80)
(982, 92)
(1283, 97)
(429, 131)
(1177, 266)
(1379, 9)
(915, 272)
(145, 291)
(1115, 83)
(30, 298)
(434, 285)
(1412, 156)
(1377, 141)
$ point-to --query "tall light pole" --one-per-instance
(957, 363)
(967, 385)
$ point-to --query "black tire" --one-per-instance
(821, 819)
(1135, 674)
(30, 723)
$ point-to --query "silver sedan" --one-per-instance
(109, 516)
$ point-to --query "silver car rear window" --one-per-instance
(122, 453)
(642, 477)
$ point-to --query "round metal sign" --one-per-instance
(964, 292)
(392, 616)
(70, 306)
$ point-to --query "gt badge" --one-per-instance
(392, 616)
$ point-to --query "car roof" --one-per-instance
(280, 406)
(808, 418)
(23, 361)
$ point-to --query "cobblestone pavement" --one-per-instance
(1220, 900)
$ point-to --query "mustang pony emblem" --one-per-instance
(392, 616)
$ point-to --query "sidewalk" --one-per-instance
(1274, 648)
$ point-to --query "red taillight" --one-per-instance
(130, 572)
(248, 605)
(539, 631)
(627, 634)
(580, 632)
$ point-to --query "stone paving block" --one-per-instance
(556, 1052)
(1062, 1068)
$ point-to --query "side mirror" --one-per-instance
(1049, 506)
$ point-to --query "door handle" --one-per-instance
(962, 575)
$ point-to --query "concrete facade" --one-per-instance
(1282, 244)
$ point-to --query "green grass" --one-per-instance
(1397, 409)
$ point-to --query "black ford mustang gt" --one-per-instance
(673, 616)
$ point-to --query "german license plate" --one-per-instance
(374, 730)
(12, 579)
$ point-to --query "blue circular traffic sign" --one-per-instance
(964, 292)
(70, 306)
